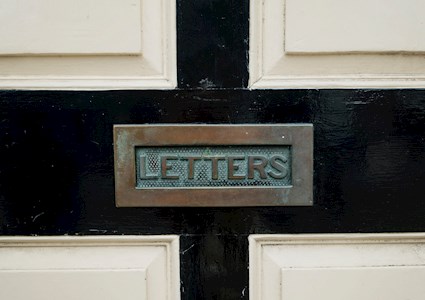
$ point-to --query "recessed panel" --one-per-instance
(323, 26)
(337, 266)
(70, 27)
(305, 44)
(88, 44)
(73, 284)
(90, 268)
(368, 283)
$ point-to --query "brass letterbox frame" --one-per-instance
(298, 136)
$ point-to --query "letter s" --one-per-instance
(277, 162)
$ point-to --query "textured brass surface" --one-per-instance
(213, 165)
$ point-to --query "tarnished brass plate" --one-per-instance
(213, 165)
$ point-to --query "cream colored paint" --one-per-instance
(70, 27)
(365, 283)
(153, 67)
(326, 266)
(73, 284)
(328, 26)
(271, 67)
(102, 267)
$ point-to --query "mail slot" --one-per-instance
(213, 165)
(206, 166)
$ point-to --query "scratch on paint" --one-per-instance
(187, 249)
(37, 216)
(243, 292)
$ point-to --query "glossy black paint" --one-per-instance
(56, 157)
(212, 38)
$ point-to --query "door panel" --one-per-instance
(131, 267)
(88, 45)
(334, 26)
(390, 283)
(336, 44)
(350, 266)
(70, 27)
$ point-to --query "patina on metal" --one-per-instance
(213, 165)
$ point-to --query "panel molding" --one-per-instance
(271, 255)
(270, 67)
(154, 68)
(155, 259)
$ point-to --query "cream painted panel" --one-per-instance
(300, 44)
(130, 44)
(337, 266)
(324, 26)
(370, 283)
(70, 27)
(73, 284)
(95, 268)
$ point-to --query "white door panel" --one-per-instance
(73, 284)
(329, 26)
(337, 44)
(90, 268)
(88, 44)
(337, 266)
(70, 27)
(365, 283)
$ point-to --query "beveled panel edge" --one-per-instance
(336, 238)
(340, 82)
(88, 240)
(127, 137)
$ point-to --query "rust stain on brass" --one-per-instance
(213, 165)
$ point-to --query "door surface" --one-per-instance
(57, 163)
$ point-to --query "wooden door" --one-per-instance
(56, 143)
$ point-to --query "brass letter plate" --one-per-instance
(213, 165)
